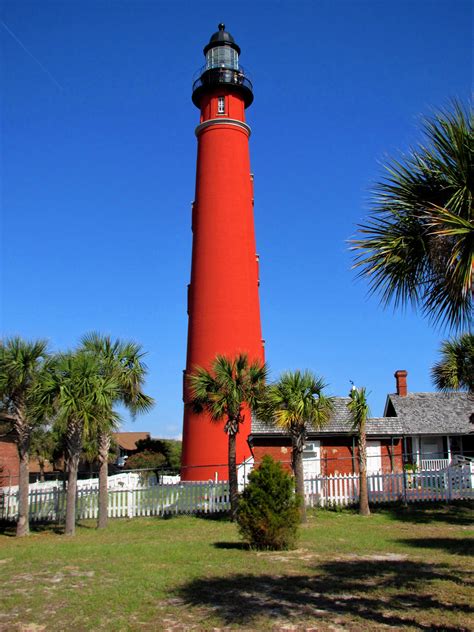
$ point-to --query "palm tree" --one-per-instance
(455, 370)
(21, 363)
(222, 393)
(295, 403)
(359, 409)
(123, 362)
(418, 244)
(80, 395)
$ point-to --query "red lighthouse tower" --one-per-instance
(223, 301)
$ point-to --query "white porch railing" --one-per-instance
(453, 483)
(430, 465)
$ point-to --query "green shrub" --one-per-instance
(268, 514)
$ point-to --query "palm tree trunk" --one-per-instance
(297, 466)
(73, 462)
(22, 526)
(364, 509)
(23, 445)
(104, 447)
(41, 464)
(74, 446)
(233, 482)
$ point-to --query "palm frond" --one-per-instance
(417, 246)
(358, 407)
(223, 390)
(297, 400)
(122, 361)
(455, 369)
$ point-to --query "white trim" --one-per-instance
(374, 456)
(312, 459)
(226, 121)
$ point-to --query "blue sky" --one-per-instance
(98, 166)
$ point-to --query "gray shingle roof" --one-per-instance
(417, 413)
(434, 413)
(340, 422)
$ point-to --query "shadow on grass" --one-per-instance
(210, 517)
(221, 516)
(8, 529)
(459, 514)
(360, 589)
(241, 546)
(458, 546)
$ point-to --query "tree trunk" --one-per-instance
(41, 467)
(233, 482)
(297, 465)
(64, 474)
(22, 526)
(73, 463)
(23, 432)
(104, 447)
(364, 509)
(74, 446)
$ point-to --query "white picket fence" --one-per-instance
(156, 500)
(452, 483)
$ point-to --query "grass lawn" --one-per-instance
(400, 568)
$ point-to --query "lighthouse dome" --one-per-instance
(221, 38)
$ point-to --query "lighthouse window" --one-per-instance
(220, 105)
(222, 57)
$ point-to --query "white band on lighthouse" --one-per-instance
(222, 121)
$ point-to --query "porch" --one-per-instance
(436, 452)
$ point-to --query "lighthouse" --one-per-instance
(223, 300)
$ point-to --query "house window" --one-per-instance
(220, 105)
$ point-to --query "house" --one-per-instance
(10, 465)
(127, 444)
(333, 449)
(438, 427)
(425, 429)
(9, 461)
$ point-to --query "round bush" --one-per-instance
(268, 514)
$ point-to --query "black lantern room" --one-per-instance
(222, 68)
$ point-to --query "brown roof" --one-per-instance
(128, 440)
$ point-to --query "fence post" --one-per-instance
(450, 484)
(404, 487)
(56, 503)
(130, 511)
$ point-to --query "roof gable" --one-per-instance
(434, 413)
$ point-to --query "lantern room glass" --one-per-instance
(222, 57)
